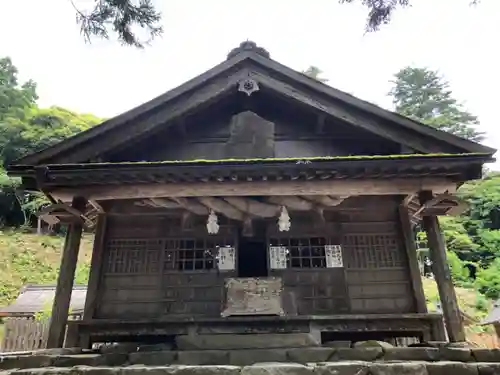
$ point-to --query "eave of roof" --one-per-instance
(485, 157)
(376, 166)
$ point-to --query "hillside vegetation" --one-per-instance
(35, 259)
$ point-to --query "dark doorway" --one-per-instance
(252, 258)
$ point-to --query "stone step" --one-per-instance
(248, 357)
(246, 341)
(272, 368)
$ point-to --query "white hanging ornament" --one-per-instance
(284, 223)
(212, 225)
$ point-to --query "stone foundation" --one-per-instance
(294, 361)
(327, 368)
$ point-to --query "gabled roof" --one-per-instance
(35, 298)
(247, 61)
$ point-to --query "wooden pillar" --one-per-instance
(442, 274)
(411, 253)
(95, 268)
(60, 308)
(83, 340)
(496, 325)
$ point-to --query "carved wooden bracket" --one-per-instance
(63, 213)
(443, 204)
(440, 205)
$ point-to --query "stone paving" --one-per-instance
(272, 368)
(295, 361)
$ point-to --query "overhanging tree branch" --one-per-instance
(121, 17)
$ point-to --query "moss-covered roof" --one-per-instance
(296, 160)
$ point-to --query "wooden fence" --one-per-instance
(26, 333)
(22, 334)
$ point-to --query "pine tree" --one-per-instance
(422, 94)
(123, 16)
(120, 17)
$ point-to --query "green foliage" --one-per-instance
(482, 304)
(124, 16)
(35, 259)
(26, 128)
(488, 281)
(474, 237)
(483, 197)
(457, 268)
(380, 11)
(45, 313)
(121, 17)
(457, 238)
(39, 128)
(10, 205)
(422, 94)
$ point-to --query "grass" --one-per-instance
(32, 259)
(472, 303)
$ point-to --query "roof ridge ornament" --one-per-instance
(248, 46)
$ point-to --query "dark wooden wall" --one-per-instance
(375, 277)
(376, 264)
(149, 274)
(298, 133)
(149, 271)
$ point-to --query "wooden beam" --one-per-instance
(442, 274)
(254, 207)
(411, 253)
(259, 188)
(325, 200)
(222, 207)
(96, 206)
(320, 124)
(64, 288)
(408, 199)
(192, 205)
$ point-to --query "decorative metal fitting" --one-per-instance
(248, 86)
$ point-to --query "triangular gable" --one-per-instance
(246, 62)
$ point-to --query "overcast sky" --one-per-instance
(106, 78)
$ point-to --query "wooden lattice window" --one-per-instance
(134, 256)
(372, 251)
(193, 254)
(304, 252)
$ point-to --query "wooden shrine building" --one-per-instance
(253, 198)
